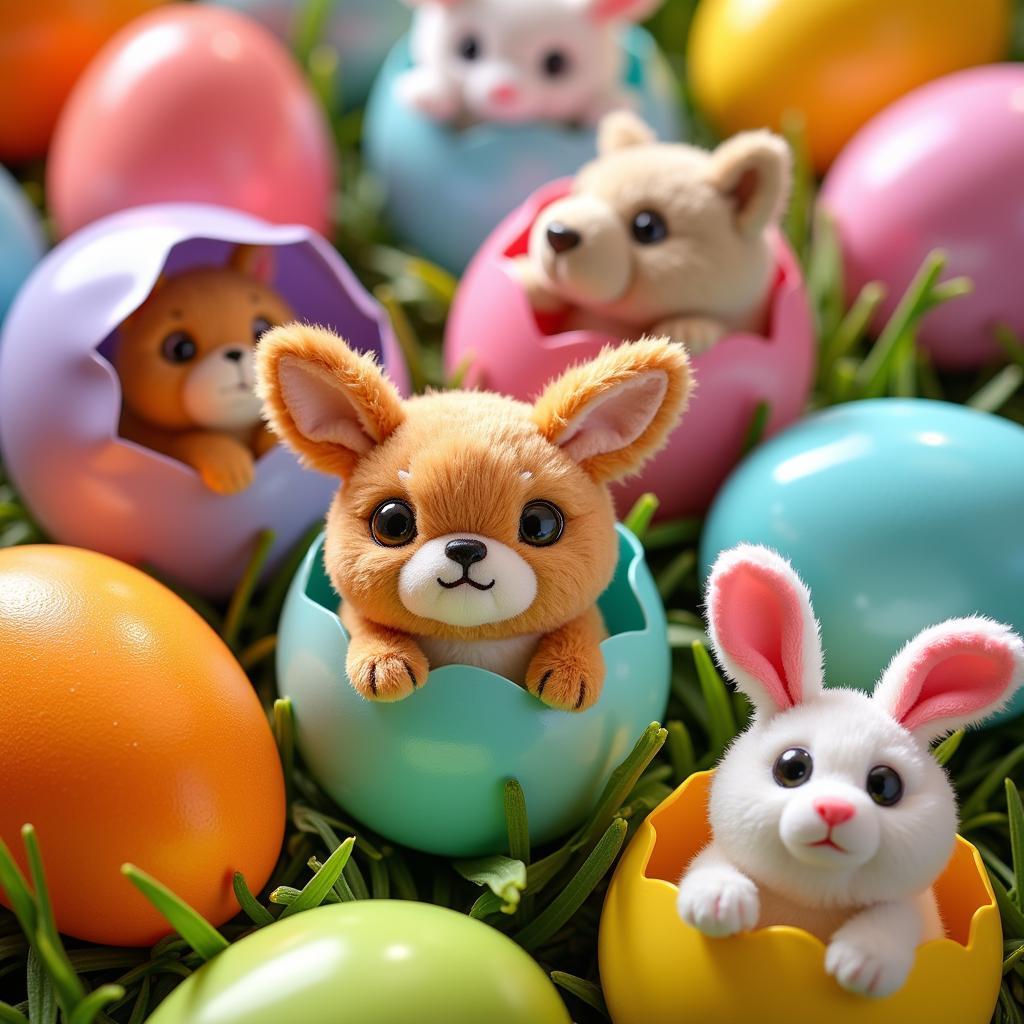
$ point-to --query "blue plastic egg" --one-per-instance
(447, 189)
(897, 513)
(429, 771)
(21, 239)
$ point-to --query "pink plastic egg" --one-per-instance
(943, 168)
(192, 103)
(493, 330)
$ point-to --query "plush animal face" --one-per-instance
(832, 796)
(522, 60)
(654, 230)
(185, 356)
(470, 515)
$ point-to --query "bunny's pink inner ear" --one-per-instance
(622, 10)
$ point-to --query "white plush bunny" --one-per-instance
(829, 813)
(518, 60)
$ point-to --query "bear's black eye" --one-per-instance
(260, 326)
(884, 785)
(178, 347)
(541, 523)
(555, 63)
(649, 227)
(793, 767)
(469, 47)
(393, 523)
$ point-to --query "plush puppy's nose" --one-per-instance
(562, 238)
(834, 812)
(234, 355)
(466, 551)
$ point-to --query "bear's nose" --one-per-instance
(234, 355)
(562, 238)
(466, 551)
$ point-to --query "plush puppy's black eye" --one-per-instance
(884, 785)
(555, 63)
(393, 523)
(541, 523)
(469, 47)
(178, 347)
(260, 326)
(793, 767)
(649, 227)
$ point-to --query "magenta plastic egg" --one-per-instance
(493, 331)
(943, 167)
(192, 104)
(60, 397)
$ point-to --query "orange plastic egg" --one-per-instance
(130, 733)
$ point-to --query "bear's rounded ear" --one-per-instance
(255, 261)
(752, 170)
(621, 130)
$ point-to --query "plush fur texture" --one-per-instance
(185, 361)
(467, 464)
(661, 238)
(518, 60)
(823, 854)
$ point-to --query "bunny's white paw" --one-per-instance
(430, 94)
(865, 966)
(719, 905)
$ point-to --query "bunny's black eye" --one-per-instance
(393, 523)
(260, 326)
(469, 47)
(541, 524)
(793, 767)
(178, 347)
(649, 227)
(555, 63)
(884, 785)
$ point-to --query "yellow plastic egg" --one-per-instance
(837, 61)
(657, 970)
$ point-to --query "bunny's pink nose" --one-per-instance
(834, 812)
(504, 93)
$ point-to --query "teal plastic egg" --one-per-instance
(369, 962)
(429, 771)
(21, 239)
(898, 513)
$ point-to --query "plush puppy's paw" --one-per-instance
(867, 964)
(386, 673)
(225, 465)
(697, 334)
(569, 684)
(719, 904)
(429, 93)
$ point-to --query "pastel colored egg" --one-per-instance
(60, 397)
(130, 734)
(940, 169)
(44, 46)
(897, 513)
(447, 189)
(356, 35)
(494, 333)
(657, 970)
(429, 771)
(21, 239)
(385, 961)
(835, 62)
(192, 104)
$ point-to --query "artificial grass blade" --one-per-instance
(42, 999)
(639, 517)
(255, 911)
(9, 1015)
(1015, 814)
(582, 989)
(85, 1012)
(316, 889)
(516, 821)
(944, 751)
(241, 599)
(12, 881)
(721, 720)
(504, 876)
(680, 751)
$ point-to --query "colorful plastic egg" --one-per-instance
(21, 239)
(447, 189)
(192, 104)
(357, 33)
(836, 62)
(941, 169)
(429, 771)
(60, 397)
(385, 961)
(657, 970)
(897, 513)
(493, 331)
(130, 734)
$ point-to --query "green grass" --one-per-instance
(547, 899)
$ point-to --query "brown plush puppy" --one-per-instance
(185, 360)
(472, 528)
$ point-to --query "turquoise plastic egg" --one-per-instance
(21, 239)
(429, 771)
(447, 189)
(898, 513)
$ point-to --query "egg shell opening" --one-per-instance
(60, 397)
(656, 969)
(494, 332)
(429, 771)
(446, 189)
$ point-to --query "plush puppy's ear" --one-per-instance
(328, 403)
(255, 261)
(763, 629)
(952, 675)
(612, 414)
(622, 129)
(753, 171)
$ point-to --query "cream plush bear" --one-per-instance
(661, 238)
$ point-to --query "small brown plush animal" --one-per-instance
(661, 238)
(185, 360)
(471, 528)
